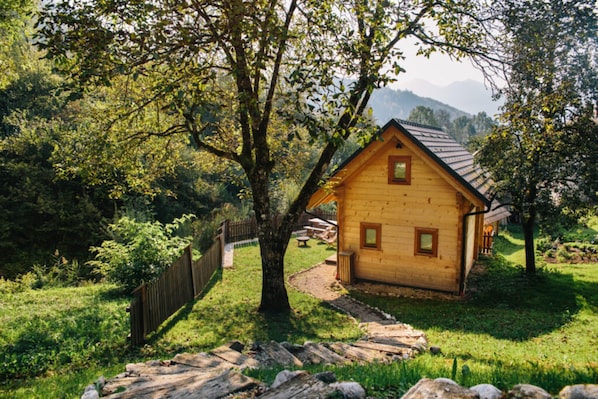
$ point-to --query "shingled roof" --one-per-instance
(445, 151)
(449, 154)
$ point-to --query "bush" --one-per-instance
(139, 251)
(543, 244)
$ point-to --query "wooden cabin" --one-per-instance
(410, 209)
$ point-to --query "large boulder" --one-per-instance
(580, 391)
(527, 391)
(440, 388)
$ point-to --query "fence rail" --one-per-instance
(156, 301)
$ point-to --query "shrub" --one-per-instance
(563, 255)
(139, 251)
(543, 244)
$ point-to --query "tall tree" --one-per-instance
(224, 68)
(545, 145)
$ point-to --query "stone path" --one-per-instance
(218, 373)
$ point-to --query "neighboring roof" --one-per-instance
(497, 214)
(445, 151)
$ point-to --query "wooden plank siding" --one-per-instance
(436, 197)
(429, 201)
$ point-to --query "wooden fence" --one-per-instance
(156, 301)
(247, 229)
(487, 243)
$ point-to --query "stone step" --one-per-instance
(360, 355)
(176, 381)
(315, 353)
(273, 354)
(237, 358)
(302, 386)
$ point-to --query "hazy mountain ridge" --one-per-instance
(466, 98)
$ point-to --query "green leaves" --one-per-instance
(139, 251)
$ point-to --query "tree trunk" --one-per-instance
(273, 245)
(274, 293)
(528, 222)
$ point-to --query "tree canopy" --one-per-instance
(544, 150)
(237, 77)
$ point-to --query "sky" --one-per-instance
(439, 69)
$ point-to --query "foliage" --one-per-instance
(543, 152)
(40, 213)
(462, 129)
(66, 329)
(139, 251)
(244, 78)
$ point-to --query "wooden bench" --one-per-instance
(302, 241)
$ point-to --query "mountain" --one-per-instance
(468, 95)
(387, 103)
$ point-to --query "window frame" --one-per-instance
(419, 231)
(363, 227)
(392, 161)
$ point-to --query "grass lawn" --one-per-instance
(54, 342)
(512, 329)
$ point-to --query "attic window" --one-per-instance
(370, 235)
(426, 242)
(399, 169)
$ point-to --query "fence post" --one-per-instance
(189, 265)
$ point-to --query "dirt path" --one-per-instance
(320, 281)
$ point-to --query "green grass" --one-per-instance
(54, 342)
(511, 329)
(228, 311)
(61, 333)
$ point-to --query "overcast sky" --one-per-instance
(439, 69)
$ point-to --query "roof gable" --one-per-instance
(436, 145)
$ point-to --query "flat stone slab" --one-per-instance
(235, 357)
(175, 381)
(273, 353)
(361, 355)
(202, 361)
(302, 386)
(314, 353)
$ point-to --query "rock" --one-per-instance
(284, 376)
(443, 380)
(527, 391)
(440, 388)
(100, 382)
(302, 386)
(487, 391)
(350, 390)
(90, 393)
(435, 350)
(580, 391)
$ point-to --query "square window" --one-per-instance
(370, 235)
(399, 170)
(426, 241)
